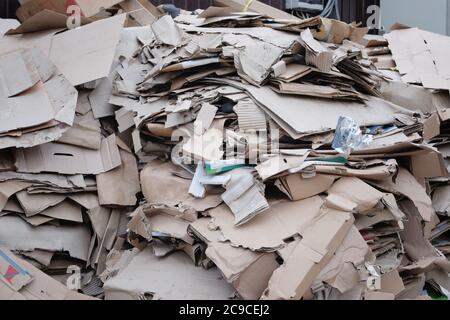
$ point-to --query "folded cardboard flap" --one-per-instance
(299, 188)
(92, 56)
(16, 111)
(341, 272)
(18, 73)
(428, 165)
(124, 194)
(267, 231)
(67, 159)
(316, 249)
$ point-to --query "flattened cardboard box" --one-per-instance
(67, 159)
(82, 55)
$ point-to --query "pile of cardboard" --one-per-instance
(222, 153)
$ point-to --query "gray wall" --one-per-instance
(431, 15)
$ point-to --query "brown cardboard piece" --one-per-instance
(420, 57)
(82, 64)
(168, 225)
(67, 159)
(8, 188)
(299, 188)
(267, 231)
(169, 188)
(428, 164)
(17, 234)
(353, 195)
(391, 282)
(92, 57)
(320, 241)
(52, 97)
(248, 271)
(284, 111)
(124, 194)
(341, 272)
(405, 184)
(67, 211)
(33, 204)
(170, 278)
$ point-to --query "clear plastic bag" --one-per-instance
(349, 137)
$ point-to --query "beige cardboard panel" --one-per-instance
(416, 246)
(170, 226)
(284, 110)
(18, 73)
(268, 231)
(254, 280)
(86, 200)
(428, 165)
(311, 255)
(67, 159)
(92, 50)
(18, 114)
(171, 190)
(392, 283)
(110, 193)
(407, 185)
(171, 278)
(41, 256)
(365, 222)
(8, 188)
(300, 188)
(341, 272)
(353, 195)
(376, 173)
(17, 234)
(83, 136)
(36, 220)
(409, 96)
(66, 210)
(35, 203)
